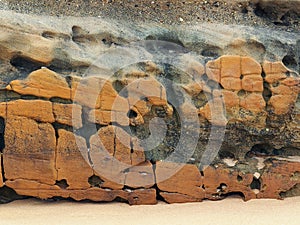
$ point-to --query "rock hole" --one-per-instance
(278, 152)
(242, 93)
(200, 100)
(53, 35)
(244, 10)
(262, 148)
(132, 114)
(120, 87)
(48, 34)
(95, 181)
(258, 11)
(63, 184)
(290, 62)
(120, 199)
(280, 23)
(7, 195)
(222, 187)
(275, 84)
(239, 178)
(255, 184)
(286, 151)
(226, 155)
(126, 171)
(171, 39)
(77, 30)
(294, 191)
(267, 93)
(60, 66)
(150, 37)
(213, 52)
(216, 4)
(213, 84)
(233, 195)
(25, 65)
(204, 78)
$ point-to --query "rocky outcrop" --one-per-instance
(145, 121)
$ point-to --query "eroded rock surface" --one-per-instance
(175, 125)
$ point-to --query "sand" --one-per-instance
(171, 12)
(229, 211)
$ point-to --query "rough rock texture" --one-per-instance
(89, 111)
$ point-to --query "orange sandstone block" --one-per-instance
(230, 66)
(252, 83)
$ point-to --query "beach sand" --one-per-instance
(229, 211)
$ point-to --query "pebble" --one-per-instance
(256, 175)
(194, 11)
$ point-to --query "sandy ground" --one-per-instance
(229, 211)
(170, 12)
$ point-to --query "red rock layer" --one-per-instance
(48, 152)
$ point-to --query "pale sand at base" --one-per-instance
(229, 211)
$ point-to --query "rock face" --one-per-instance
(146, 120)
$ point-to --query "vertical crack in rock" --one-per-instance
(2, 146)
(55, 154)
(2, 130)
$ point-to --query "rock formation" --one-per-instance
(91, 112)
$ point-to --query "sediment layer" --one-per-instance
(148, 114)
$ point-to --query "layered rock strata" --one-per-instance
(183, 128)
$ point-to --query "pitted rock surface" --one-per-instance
(74, 125)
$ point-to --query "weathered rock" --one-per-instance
(72, 161)
(68, 114)
(113, 120)
(34, 109)
(93, 92)
(42, 83)
(141, 175)
(15, 44)
(103, 117)
(242, 83)
(170, 175)
(43, 191)
(220, 181)
(178, 198)
(285, 90)
(279, 179)
(29, 150)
